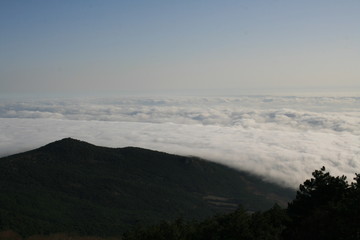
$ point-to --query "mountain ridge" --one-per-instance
(72, 185)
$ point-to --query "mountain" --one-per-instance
(73, 186)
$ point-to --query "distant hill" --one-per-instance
(73, 186)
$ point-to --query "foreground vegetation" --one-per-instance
(325, 207)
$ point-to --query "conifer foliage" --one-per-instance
(325, 207)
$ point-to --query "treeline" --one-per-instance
(237, 225)
(325, 207)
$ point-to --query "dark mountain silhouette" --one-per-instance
(74, 186)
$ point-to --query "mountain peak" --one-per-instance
(67, 141)
(67, 145)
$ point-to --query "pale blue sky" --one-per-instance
(153, 46)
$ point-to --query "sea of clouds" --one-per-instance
(281, 138)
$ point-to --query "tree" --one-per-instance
(318, 209)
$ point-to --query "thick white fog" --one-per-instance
(282, 139)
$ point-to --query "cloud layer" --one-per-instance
(282, 139)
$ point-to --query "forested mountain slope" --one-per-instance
(74, 186)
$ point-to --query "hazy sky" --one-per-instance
(124, 46)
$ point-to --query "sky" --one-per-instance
(89, 46)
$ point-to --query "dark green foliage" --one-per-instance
(326, 207)
(270, 224)
(72, 186)
(239, 224)
(318, 191)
